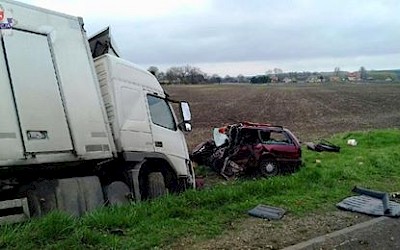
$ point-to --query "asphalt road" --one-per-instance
(379, 233)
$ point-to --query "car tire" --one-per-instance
(269, 167)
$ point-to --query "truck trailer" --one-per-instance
(78, 132)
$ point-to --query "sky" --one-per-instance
(248, 37)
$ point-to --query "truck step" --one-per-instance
(13, 211)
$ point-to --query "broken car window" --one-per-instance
(274, 137)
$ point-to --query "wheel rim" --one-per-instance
(270, 167)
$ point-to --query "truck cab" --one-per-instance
(142, 118)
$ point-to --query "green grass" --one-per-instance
(373, 163)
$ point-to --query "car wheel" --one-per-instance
(269, 168)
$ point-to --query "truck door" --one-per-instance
(36, 92)
(168, 139)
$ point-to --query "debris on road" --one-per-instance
(267, 212)
(323, 145)
(247, 147)
(371, 202)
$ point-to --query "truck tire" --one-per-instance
(92, 192)
(269, 167)
(156, 185)
(117, 193)
(77, 196)
(41, 197)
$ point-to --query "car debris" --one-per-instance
(267, 212)
(370, 202)
(352, 142)
(247, 147)
(323, 145)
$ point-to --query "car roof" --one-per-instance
(261, 126)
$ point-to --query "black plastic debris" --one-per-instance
(323, 145)
(370, 202)
(267, 212)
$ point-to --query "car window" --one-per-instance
(274, 137)
(160, 112)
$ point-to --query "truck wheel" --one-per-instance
(79, 195)
(117, 193)
(269, 168)
(156, 185)
(41, 197)
(73, 195)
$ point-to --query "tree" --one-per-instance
(215, 79)
(337, 71)
(194, 75)
(242, 79)
(175, 75)
(363, 73)
(153, 70)
(278, 71)
(260, 79)
(185, 75)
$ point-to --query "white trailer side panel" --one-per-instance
(10, 140)
(88, 129)
(36, 93)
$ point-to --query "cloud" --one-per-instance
(177, 32)
(118, 10)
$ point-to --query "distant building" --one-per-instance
(287, 80)
(354, 76)
(314, 79)
(335, 79)
(274, 78)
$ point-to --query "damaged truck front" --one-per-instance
(248, 148)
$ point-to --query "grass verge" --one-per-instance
(373, 163)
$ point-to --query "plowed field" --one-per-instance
(311, 112)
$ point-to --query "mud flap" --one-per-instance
(369, 205)
(267, 212)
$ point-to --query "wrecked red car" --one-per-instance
(247, 148)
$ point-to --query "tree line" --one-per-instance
(194, 75)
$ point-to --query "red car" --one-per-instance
(250, 147)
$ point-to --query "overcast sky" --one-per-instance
(247, 36)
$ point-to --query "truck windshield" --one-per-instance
(160, 112)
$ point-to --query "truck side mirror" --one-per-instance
(185, 111)
(186, 116)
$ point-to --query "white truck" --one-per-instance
(76, 132)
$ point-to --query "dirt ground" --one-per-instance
(254, 233)
(311, 112)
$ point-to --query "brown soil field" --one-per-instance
(309, 111)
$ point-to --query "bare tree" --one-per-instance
(153, 70)
(175, 75)
(278, 71)
(215, 79)
(363, 73)
(185, 75)
(337, 71)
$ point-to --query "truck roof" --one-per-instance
(130, 72)
(40, 9)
